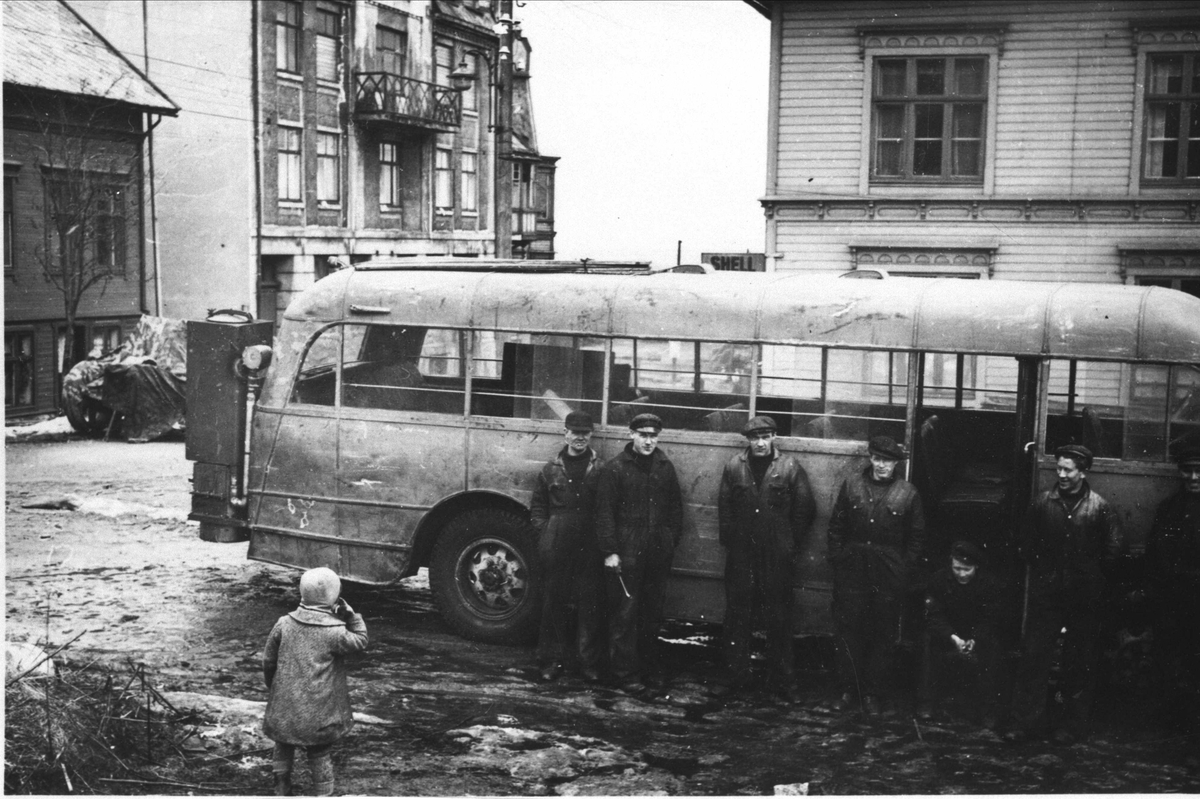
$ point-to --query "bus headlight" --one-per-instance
(257, 357)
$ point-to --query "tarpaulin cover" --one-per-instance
(150, 399)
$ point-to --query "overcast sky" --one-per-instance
(658, 109)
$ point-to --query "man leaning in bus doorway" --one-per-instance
(876, 538)
(639, 519)
(765, 507)
(1071, 536)
(561, 511)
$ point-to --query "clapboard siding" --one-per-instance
(1065, 83)
(1065, 108)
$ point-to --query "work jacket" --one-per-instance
(554, 493)
(304, 661)
(1076, 534)
(777, 512)
(638, 511)
(970, 611)
(878, 540)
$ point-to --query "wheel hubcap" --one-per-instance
(494, 576)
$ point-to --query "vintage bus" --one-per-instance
(410, 404)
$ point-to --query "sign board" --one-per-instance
(735, 261)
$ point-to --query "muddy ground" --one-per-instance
(446, 716)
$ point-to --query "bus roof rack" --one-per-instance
(582, 266)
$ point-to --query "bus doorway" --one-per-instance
(975, 415)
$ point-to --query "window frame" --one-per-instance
(292, 160)
(391, 56)
(389, 167)
(868, 185)
(1146, 98)
(290, 33)
(443, 180)
(328, 35)
(909, 101)
(30, 365)
(10, 214)
(329, 196)
(469, 182)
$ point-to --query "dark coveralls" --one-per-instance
(760, 527)
(561, 512)
(973, 611)
(639, 516)
(876, 536)
(1067, 541)
(1173, 594)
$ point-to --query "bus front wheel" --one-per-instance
(482, 577)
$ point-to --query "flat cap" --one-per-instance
(1076, 452)
(645, 420)
(579, 420)
(1188, 455)
(759, 424)
(886, 447)
(966, 552)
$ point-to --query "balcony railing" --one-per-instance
(386, 97)
(524, 221)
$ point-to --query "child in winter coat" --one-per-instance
(304, 666)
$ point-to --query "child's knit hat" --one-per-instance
(320, 586)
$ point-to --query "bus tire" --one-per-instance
(481, 574)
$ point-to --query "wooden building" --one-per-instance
(77, 119)
(986, 139)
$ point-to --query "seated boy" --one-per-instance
(963, 614)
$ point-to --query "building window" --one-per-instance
(1169, 267)
(110, 229)
(470, 182)
(443, 60)
(329, 168)
(470, 101)
(105, 339)
(291, 171)
(391, 46)
(329, 37)
(1172, 117)
(10, 187)
(443, 181)
(389, 175)
(287, 37)
(18, 368)
(929, 117)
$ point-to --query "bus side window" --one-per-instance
(1134, 411)
(535, 376)
(834, 394)
(692, 385)
(316, 382)
(400, 368)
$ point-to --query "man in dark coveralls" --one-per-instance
(876, 537)
(765, 507)
(1173, 596)
(561, 511)
(639, 519)
(963, 617)
(1071, 536)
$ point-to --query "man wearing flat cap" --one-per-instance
(1070, 538)
(1173, 595)
(963, 616)
(765, 507)
(639, 520)
(561, 512)
(876, 538)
